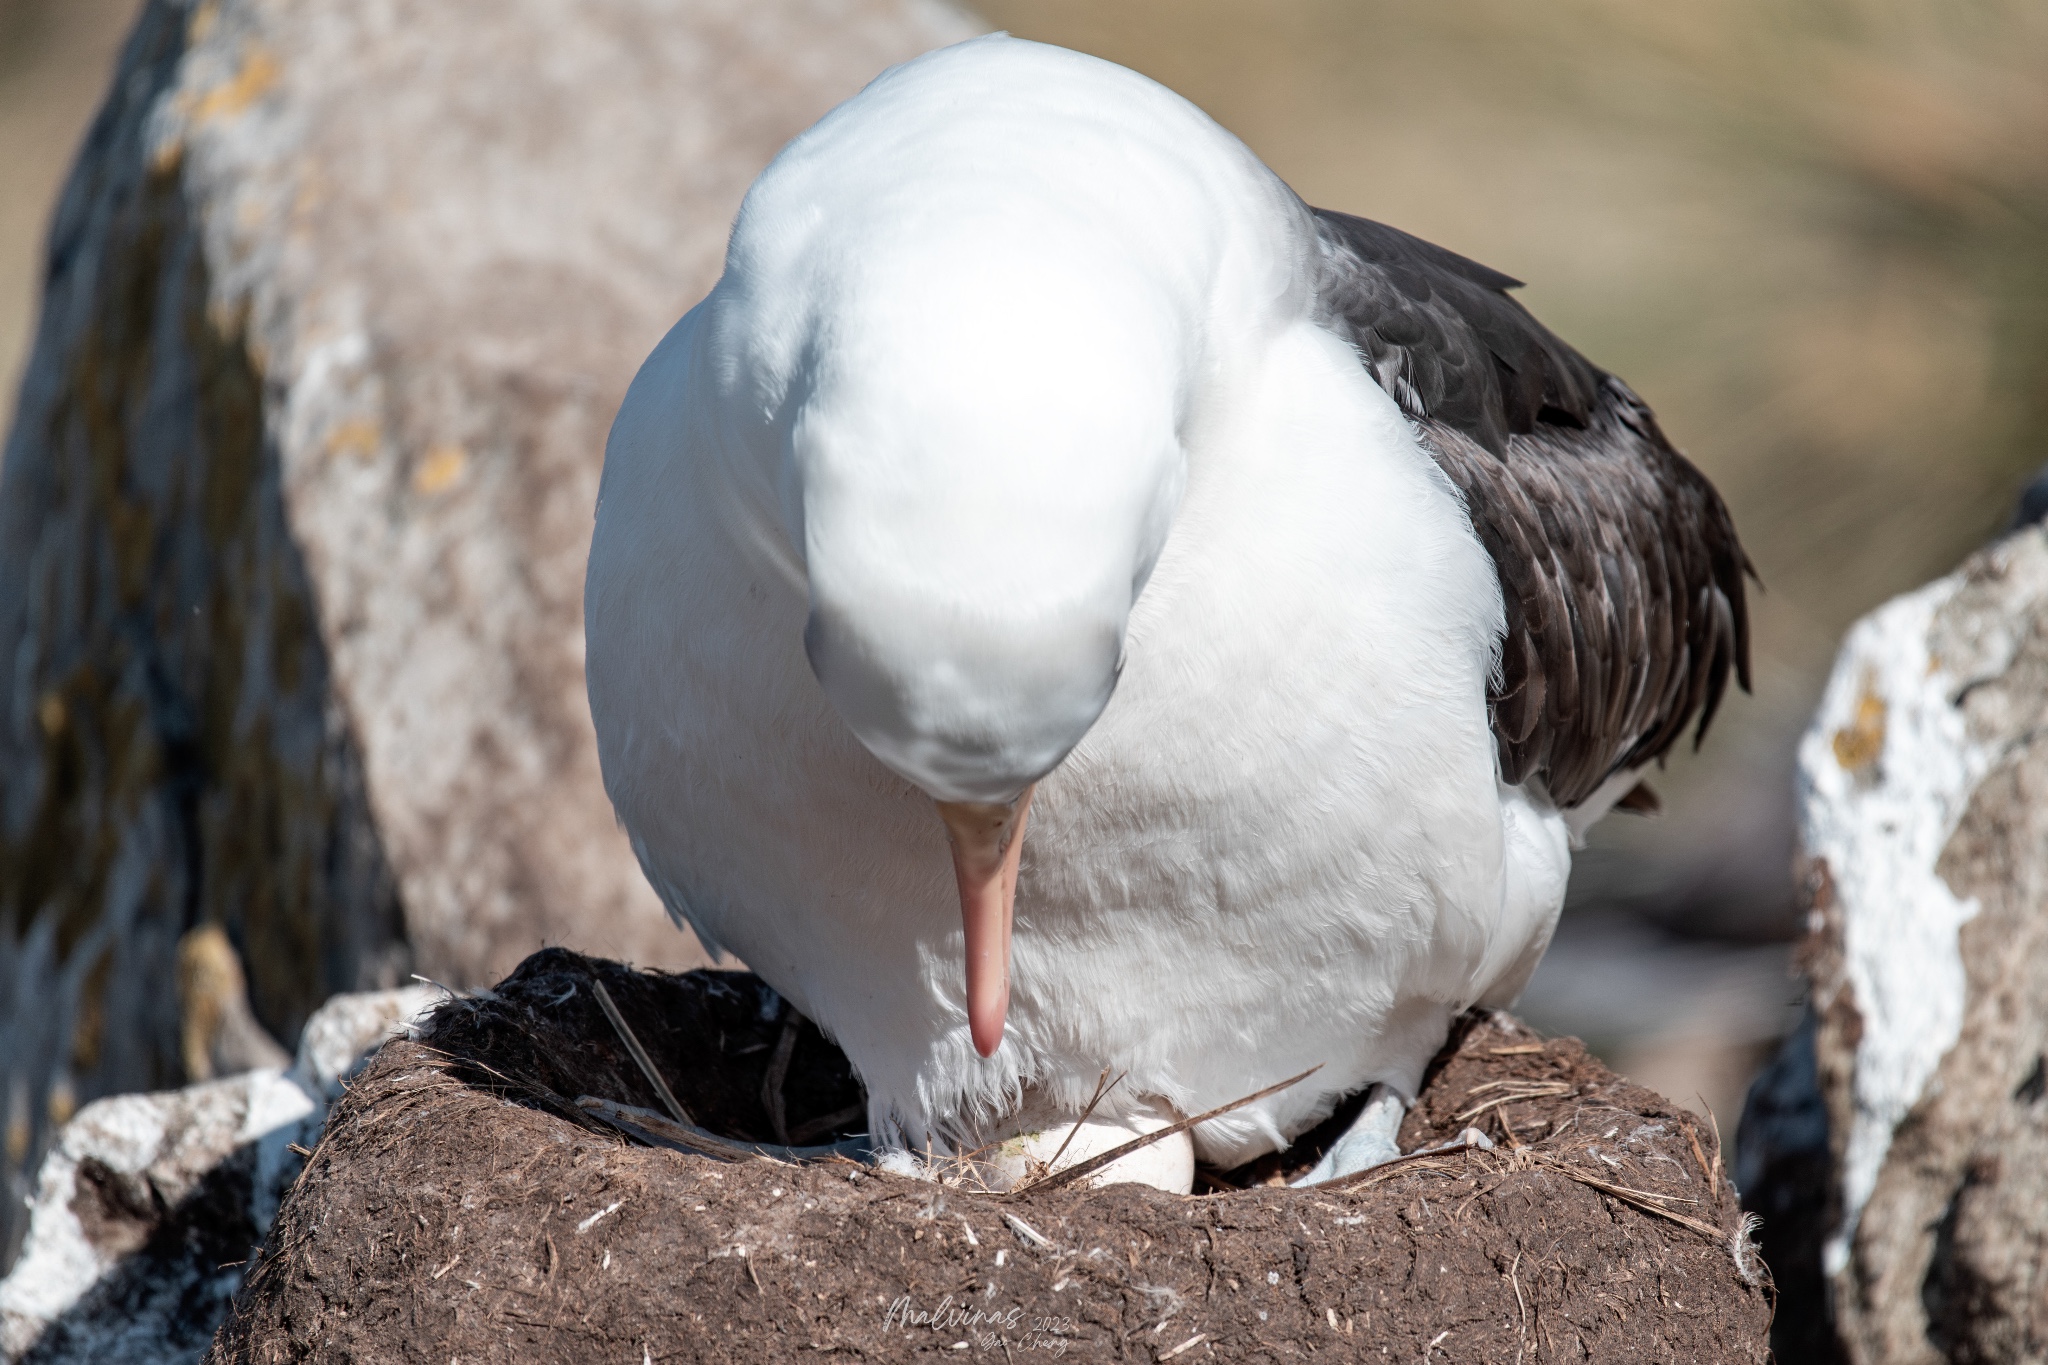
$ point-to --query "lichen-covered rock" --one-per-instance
(1925, 831)
(339, 301)
(148, 1205)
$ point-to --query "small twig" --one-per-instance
(1103, 1085)
(1399, 1165)
(1516, 1082)
(1096, 1163)
(1639, 1198)
(1520, 1308)
(1692, 1135)
(1612, 1188)
(1532, 1091)
(1027, 1232)
(560, 1103)
(594, 1219)
(778, 1072)
(1714, 1180)
(659, 1131)
(639, 1054)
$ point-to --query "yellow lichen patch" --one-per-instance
(358, 436)
(258, 74)
(439, 471)
(53, 714)
(1860, 743)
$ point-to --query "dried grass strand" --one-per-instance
(659, 1131)
(1103, 1085)
(1095, 1163)
(1638, 1198)
(639, 1055)
(772, 1084)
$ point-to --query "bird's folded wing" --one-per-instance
(1619, 565)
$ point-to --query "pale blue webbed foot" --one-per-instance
(1373, 1139)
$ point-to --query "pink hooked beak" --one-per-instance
(988, 839)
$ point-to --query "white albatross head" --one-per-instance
(951, 298)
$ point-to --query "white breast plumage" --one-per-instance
(1024, 460)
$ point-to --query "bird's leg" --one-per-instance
(1371, 1140)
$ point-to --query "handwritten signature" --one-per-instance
(982, 1328)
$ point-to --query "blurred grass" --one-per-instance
(1813, 233)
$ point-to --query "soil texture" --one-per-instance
(462, 1206)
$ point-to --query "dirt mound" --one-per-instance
(461, 1204)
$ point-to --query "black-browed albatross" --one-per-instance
(1041, 454)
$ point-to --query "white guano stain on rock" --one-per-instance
(1885, 773)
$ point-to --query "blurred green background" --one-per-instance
(1812, 233)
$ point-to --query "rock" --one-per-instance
(1924, 794)
(348, 1030)
(462, 1203)
(139, 1205)
(148, 1206)
(340, 299)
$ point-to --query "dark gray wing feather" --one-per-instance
(1619, 565)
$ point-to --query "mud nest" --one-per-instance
(462, 1205)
